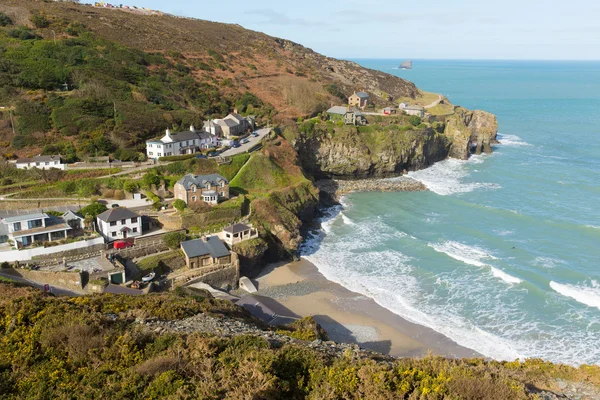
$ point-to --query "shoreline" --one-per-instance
(350, 317)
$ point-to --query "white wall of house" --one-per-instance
(115, 230)
(25, 255)
(162, 148)
(41, 165)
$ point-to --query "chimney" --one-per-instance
(168, 132)
(235, 111)
(192, 129)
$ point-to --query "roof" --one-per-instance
(116, 214)
(186, 135)
(56, 227)
(211, 245)
(337, 110)
(390, 108)
(200, 180)
(237, 228)
(229, 122)
(238, 117)
(69, 214)
(27, 217)
(39, 159)
(417, 108)
(362, 95)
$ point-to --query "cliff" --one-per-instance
(470, 131)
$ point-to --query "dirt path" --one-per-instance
(435, 103)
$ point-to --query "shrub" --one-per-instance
(5, 20)
(149, 179)
(131, 186)
(174, 239)
(93, 209)
(179, 205)
(177, 158)
(119, 194)
(40, 21)
(414, 120)
(108, 193)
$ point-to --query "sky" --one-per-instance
(434, 29)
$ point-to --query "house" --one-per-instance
(74, 220)
(389, 110)
(25, 230)
(231, 126)
(359, 99)
(205, 252)
(174, 144)
(337, 111)
(238, 233)
(119, 223)
(40, 162)
(403, 105)
(415, 110)
(207, 188)
(354, 117)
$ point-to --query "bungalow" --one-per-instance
(207, 188)
(415, 110)
(359, 99)
(119, 223)
(389, 110)
(25, 230)
(205, 252)
(40, 162)
(238, 233)
(174, 144)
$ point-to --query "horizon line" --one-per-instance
(470, 59)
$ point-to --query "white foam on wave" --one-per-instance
(447, 177)
(347, 220)
(471, 255)
(505, 277)
(504, 232)
(511, 140)
(547, 262)
(590, 296)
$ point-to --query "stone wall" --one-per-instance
(69, 280)
(226, 277)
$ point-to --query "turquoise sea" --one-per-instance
(502, 254)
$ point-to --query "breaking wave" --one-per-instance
(590, 296)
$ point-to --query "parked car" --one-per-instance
(244, 141)
(200, 156)
(213, 153)
(235, 144)
(114, 205)
(255, 134)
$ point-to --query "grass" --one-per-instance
(237, 162)
(424, 99)
(441, 109)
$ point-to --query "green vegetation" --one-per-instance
(229, 171)
(5, 20)
(161, 263)
(177, 158)
(59, 347)
(93, 209)
(179, 205)
(174, 239)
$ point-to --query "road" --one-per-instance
(435, 103)
(252, 141)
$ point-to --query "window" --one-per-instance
(150, 145)
(17, 226)
(193, 198)
(207, 186)
(123, 221)
(134, 230)
(113, 223)
(150, 153)
(222, 194)
(47, 163)
(114, 234)
(194, 189)
(159, 154)
(134, 220)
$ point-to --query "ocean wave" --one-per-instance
(447, 177)
(511, 140)
(505, 277)
(590, 296)
(468, 254)
(547, 262)
(347, 220)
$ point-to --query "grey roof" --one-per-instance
(117, 214)
(186, 135)
(199, 247)
(69, 214)
(362, 95)
(27, 217)
(390, 108)
(230, 123)
(39, 159)
(416, 108)
(237, 117)
(337, 110)
(237, 228)
(200, 180)
(205, 135)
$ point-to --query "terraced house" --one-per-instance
(194, 189)
(179, 143)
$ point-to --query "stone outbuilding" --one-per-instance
(205, 252)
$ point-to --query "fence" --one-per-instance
(29, 254)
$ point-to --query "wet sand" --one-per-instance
(351, 317)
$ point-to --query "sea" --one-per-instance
(502, 253)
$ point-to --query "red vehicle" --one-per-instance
(121, 244)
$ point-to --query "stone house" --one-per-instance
(354, 117)
(232, 126)
(359, 99)
(202, 188)
(205, 252)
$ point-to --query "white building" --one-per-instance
(175, 144)
(415, 110)
(40, 162)
(119, 223)
(25, 230)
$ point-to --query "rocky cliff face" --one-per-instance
(353, 155)
(470, 130)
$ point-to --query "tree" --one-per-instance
(40, 21)
(5, 20)
(174, 239)
(179, 205)
(130, 186)
(150, 179)
(415, 120)
(93, 209)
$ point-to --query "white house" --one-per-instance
(25, 230)
(415, 110)
(175, 144)
(40, 162)
(119, 223)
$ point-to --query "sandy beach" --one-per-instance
(351, 317)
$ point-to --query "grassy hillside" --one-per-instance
(91, 347)
(84, 80)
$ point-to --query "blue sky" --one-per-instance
(459, 29)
